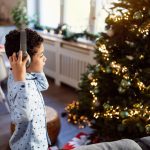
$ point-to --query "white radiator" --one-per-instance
(66, 62)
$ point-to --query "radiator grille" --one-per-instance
(71, 67)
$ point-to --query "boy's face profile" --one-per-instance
(38, 60)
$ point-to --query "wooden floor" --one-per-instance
(56, 97)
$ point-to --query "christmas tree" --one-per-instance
(114, 94)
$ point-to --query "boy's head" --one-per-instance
(35, 48)
(12, 43)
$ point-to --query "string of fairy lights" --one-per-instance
(145, 27)
(111, 111)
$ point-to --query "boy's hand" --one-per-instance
(18, 66)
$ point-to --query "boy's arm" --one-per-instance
(18, 89)
(41, 81)
(22, 105)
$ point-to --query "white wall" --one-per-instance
(5, 9)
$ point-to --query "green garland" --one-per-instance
(67, 34)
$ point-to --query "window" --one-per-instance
(49, 13)
(77, 14)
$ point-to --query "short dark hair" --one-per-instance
(12, 42)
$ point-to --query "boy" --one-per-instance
(27, 108)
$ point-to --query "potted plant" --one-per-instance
(19, 14)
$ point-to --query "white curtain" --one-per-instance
(77, 14)
(49, 12)
(102, 6)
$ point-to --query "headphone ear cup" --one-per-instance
(28, 61)
(25, 54)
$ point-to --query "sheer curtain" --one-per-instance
(77, 14)
(102, 6)
(49, 12)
